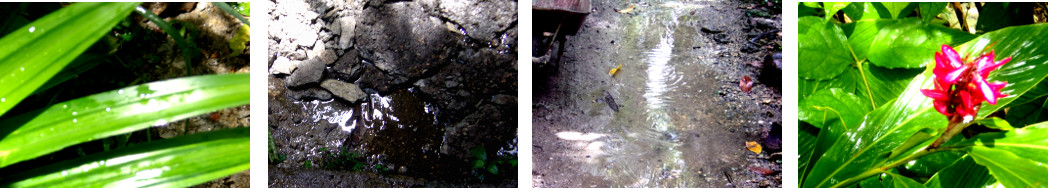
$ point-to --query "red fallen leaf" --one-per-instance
(746, 84)
(214, 117)
(761, 170)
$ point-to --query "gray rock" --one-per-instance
(308, 72)
(298, 55)
(346, 91)
(504, 99)
(482, 20)
(403, 42)
(335, 26)
(309, 94)
(349, 25)
(325, 55)
(282, 65)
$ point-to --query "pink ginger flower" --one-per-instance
(961, 86)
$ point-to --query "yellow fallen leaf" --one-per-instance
(615, 70)
(754, 147)
(627, 10)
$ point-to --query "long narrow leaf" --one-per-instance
(117, 112)
(177, 162)
(30, 55)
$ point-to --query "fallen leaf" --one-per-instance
(746, 84)
(761, 170)
(615, 70)
(627, 10)
(754, 147)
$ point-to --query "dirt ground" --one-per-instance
(679, 118)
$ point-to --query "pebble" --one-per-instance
(345, 91)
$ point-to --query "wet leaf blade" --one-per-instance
(896, 9)
(904, 182)
(833, 104)
(964, 173)
(115, 112)
(930, 10)
(890, 125)
(34, 53)
(907, 43)
(1010, 169)
(1027, 142)
(177, 162)
(823, 47)
(863, 11)
(832, 8)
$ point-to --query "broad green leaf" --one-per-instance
(906, 43)
(896, 9)
(806, 140)
(863, 11)
(1010, 169)
(883, 84)
(115, 112)
(899, 181)
(812, 4)
(995, 123)
(33, 53)
(875, 182)
(931, 164)
(964, 173)
(1027, 114)
(835, 111)
(807, 87)
(833, 104)
(832, 8)
(1026, 45)
(881, 131)
(1034, 94)
(930, 10)
(178, 162)
(1028, 142)
(824, 49)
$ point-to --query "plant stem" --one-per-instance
(882, 169)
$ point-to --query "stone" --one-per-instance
(281, 66)
(325, 55)
(308, 72)
(346, 91)
(403, 42)
(298, 55)
(346, 37)
(482, 20)
(335, 26)
(310, 94)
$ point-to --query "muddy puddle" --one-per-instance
(674, 126)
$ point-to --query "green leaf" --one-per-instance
(807, 136)
(930, 10)
(965, 173)
(1010, 169)
(1028, 113)
(906, 43)
(831, 8)
(833, 105)
(995, 123)
(178, 162)
(921, 136)
(882, 84)
(115, 112)
(900, 181)
(478, 164)
(1028, 142)
(493, 169)
(881, 131)
(896, 9)
(812, 4)
(863, 11)
(931, 164)
(823, 47)
(807, 87)
(479, 153)
(1026, 46)
(33, 53)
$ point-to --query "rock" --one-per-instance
(721, 38)
(771, 72)
(308, 72)
(765, 23)
(345, 91)
(482, 20)
(503, 99)
(403, 42)
(282, 65)
(348, 25)
(714, 30)
(298, 55)
(325, 55)
(309, 94)
(347, 67)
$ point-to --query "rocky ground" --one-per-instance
(410, 86)
(674, 114)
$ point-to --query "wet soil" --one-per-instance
(437, 84)
(681, 118)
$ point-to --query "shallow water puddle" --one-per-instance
(666, 133)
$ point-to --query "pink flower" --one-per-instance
(961, 86)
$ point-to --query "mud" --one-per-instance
(437, 85)
(682, 119)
